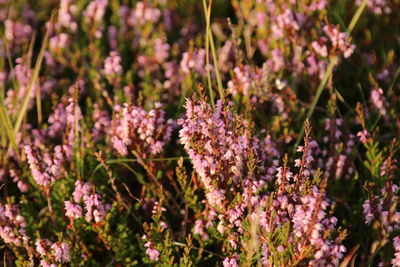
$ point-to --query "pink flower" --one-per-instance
(231, 261)
(72, 210)
(66, 15)
(61, 251)
(363, 136)
(22, 186)
(45, 168)
(378, 100)
(194, 60)
(81, 191)
(161, 50)
(42, 246)
(139, 130)
(396, 244)
(44, 263)
(112, 65)
(339, 40)
(378, 7)
(151, 251)
(95, 209)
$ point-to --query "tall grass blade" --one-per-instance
(329, 70)
(207, 43)
(35, 74)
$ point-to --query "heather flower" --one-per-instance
(144, 13)
(72, 211)
(173, 78)
(59, 41)
(42, 246)
(143, 132)
(94, 14)
(161, 50)
(241, 81)
(321, 49)
(66, 15)
(231, 261)
(151, 251)
(81, 191)
(95, 10)
(396, 244)
(73, 116)
(194, 60)
(317, 5)
(44, 263)
(368, 212)
(57, 121)
(95, 209)
(22, 186)
(378, 7)
(277, 61)
(102, 122)
(12, 225)
(112, 34)
(112, 65)
(216, 148)
(198, 228)
(380, 208)
(61, 251)
(363, 136)
(226, 56)
(315, 66)
(23, 75)
(305, 213)
(339, 40)
(289, 21)
(45, 168)
(16, 33)
(378, 100)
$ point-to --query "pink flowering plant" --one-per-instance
(195, 133)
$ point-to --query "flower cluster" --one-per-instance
(52, 253)
(378, 100)
(339, 41)
(135, 129)
(112, 65)
(95, 210)
(396, 244)
(194, 60)
(300, 205)
(378, 7)
(66, 15)
(17, 33)
(220, 152)
(12, 225)
(382, 209)
(94, 14)
(45, 167)
(151, 251)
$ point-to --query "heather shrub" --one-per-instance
(195, 133)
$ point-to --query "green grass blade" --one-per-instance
(356, 17)
(321, 87)
(35, 75)
(329, 70)
(217, 74)
(207, 13)
(7, 127)
(213, 51)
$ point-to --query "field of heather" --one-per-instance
(199, 133)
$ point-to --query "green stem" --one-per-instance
(207, 16)
(329, 70)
